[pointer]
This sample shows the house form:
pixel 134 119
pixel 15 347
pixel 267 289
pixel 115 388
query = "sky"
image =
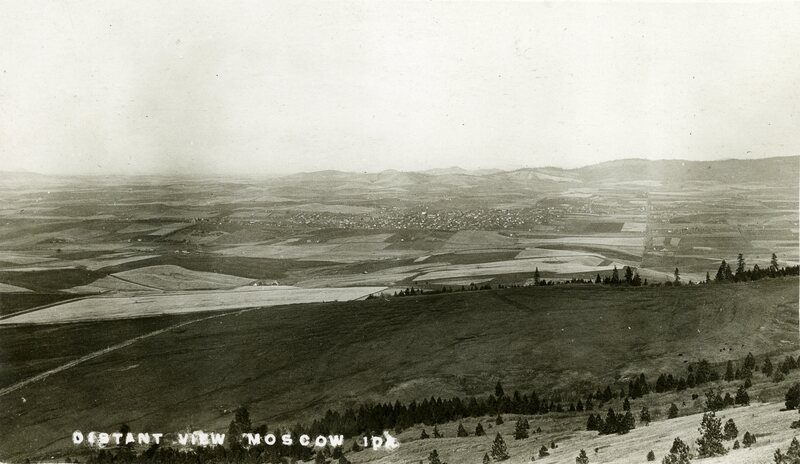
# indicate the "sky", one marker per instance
pixel 185 87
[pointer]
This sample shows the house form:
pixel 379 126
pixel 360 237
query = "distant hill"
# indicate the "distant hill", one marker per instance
pixel 781 171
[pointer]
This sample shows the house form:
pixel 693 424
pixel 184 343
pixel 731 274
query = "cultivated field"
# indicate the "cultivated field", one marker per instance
pixel 148 305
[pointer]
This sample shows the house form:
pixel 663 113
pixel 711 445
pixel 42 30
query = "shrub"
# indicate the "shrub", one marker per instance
pixel 582 458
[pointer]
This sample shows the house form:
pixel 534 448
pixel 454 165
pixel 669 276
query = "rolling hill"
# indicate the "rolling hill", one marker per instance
pixel 289 364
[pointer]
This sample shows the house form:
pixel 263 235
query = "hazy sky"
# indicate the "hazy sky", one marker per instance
pixel 275 87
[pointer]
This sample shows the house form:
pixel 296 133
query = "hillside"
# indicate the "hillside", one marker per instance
pixel 289 364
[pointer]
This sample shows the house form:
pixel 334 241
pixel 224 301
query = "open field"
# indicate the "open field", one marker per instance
pixel 440 345
pixel 167 277
pixel 148 305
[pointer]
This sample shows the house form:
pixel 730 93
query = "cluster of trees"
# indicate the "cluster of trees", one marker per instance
pixel 792 455
pixel 716 402
pixel 374 418
pixel 709 444
pixel 614 423
pixel 742 274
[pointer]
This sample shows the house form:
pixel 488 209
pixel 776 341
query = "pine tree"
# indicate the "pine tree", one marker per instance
pixel 520 431
pixel 598 280
pixel 708 278
pixel 793 453
pixel 672 413
pixel 637 280
pixel 729 372
pixel 748 440
pixel 628 423
pixel 424 435
pixel 615 276
pixel 536 276
pixel 740 264
pixel 628 275
pixel 766 368
pixel 749 362
pixel 773 264
pixel 626 405
pixel 582 458
pixel 678 454
pixel 730 431
pixel 498 391
pixel 543 452
pixel 677 276
pixel 710 442
pixel 436 433
pixel 742 397
pixel 644 416
pixel 433 458
pixel 499 448
pixel 479 430
pixel 720 277
pixel 499 420
pixel 462 432
pixel 792 396
pixel 651 456
pixel 486 459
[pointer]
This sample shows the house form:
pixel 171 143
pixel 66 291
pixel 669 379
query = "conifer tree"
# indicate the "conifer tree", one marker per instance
pixel 672 413
pixel 433 458
pixel 479 430
pixel 644 416
pixel 766 368
pixel 710 442
pixel 424 435
pixel 499 420
pixel 462 432
pixel 628 275
pixel 520 431
pixel 626 405
pixel 582 458
pixel 730 431
pixel 729 372
pixel 498 391
pixel 678 454
pixel 543 451
pixel 486 459
pixel 499 448
pixel 748 440
pixel 742 397
pixel 436 433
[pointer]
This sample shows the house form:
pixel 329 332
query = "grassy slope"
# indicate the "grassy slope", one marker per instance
pixel 767 421
pixel 293 362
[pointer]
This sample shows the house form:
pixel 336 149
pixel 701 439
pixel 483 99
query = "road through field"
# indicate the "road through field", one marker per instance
pixel 98 353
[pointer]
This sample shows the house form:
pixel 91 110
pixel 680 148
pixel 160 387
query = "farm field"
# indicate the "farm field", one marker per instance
pixel 402 349
pixel 252 267
pixel 123 306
